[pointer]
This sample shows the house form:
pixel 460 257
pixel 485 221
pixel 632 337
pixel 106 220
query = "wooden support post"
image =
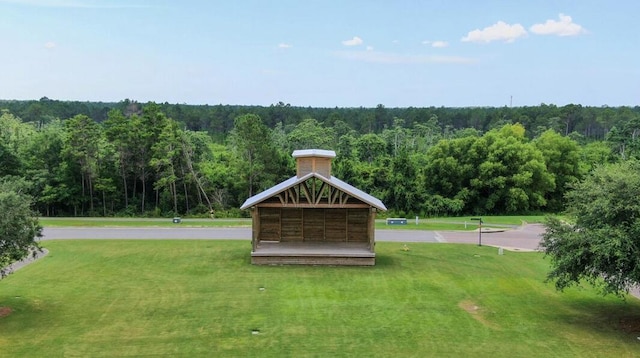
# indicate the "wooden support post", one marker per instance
pixel 371 231
pixel 255 232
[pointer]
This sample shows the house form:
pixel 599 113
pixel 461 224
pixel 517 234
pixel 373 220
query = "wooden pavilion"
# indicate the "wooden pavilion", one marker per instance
pixel 313 218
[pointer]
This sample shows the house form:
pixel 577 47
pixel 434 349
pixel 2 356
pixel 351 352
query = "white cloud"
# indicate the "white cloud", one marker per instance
pixel 369 48
pixel 500 31
pixel 564 27
pixel 355 41
pixel 392 58
pixel 437 44
pixel 284 45
pixel 50 45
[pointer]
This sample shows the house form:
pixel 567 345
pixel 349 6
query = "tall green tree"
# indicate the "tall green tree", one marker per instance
pixel 14 133
pixel 450 166
pixel 256 156
pixel 363 162
pixel 119 131
pixel 9 161
pixel 398 137
pixel 344 164
pixel 427 134
pixel 625 137
pixel 500 172
pixel 145 133
pixel 594 154
pixel 309 134
pixel 15 137
pixel 219 180
pixel 48 169
pixel 513 177
pixel 562 159
pixel 370 147
pixel 601 243
pixel 82 148
pixel 195 149
pixel 165 154
pixel 404 192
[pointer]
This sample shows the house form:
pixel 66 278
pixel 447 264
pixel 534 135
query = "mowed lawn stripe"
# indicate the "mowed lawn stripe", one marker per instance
pixel 107 298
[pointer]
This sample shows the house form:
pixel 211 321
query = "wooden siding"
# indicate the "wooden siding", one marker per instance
pixel 313 225
pixel 306 165
pixel 291 230
pixel 323 167
pixel 336 225
pixel 269 224
pixel 358 225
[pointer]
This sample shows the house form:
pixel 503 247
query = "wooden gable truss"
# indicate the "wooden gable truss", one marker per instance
pixel 313 193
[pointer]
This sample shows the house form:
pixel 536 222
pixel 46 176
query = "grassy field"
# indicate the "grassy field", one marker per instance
pixel 455 223
pixel 204 298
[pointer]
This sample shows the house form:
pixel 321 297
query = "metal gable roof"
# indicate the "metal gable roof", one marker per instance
pixel 274 190
pixel 333 181
pixel 355 192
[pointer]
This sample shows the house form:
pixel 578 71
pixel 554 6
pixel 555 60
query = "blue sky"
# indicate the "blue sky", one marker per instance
pixel 323 53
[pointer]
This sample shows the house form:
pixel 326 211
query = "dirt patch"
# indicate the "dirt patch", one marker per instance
pixel 630 325
pixel 5 311
pixel 477 313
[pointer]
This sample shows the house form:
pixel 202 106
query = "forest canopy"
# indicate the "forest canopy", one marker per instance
pixel 128 158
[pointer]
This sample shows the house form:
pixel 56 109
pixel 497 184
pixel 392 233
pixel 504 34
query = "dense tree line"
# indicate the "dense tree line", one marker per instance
pixel 127 158
pixel 583 122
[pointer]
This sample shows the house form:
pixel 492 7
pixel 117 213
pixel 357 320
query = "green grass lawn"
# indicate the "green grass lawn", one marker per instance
pixel 203 298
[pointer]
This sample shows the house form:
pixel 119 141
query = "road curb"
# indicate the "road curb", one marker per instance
pixel 27 260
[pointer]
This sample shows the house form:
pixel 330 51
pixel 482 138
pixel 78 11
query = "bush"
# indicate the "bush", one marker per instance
pixel 19 226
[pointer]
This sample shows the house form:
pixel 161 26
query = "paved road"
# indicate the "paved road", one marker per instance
pixel 523 238
pixel 205 234
pixel 50 233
